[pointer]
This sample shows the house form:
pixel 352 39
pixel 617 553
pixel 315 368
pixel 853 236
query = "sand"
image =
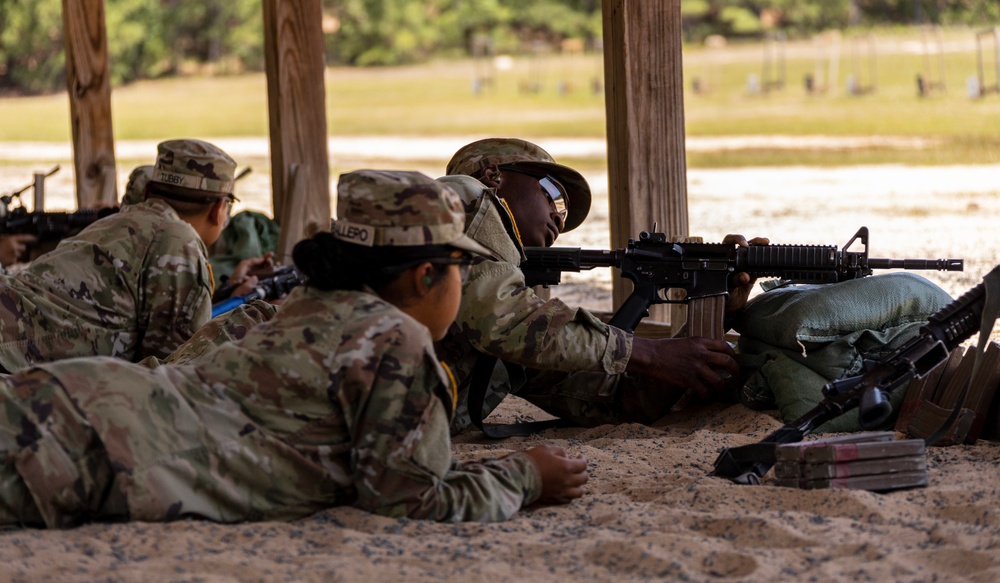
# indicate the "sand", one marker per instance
pixel 651 510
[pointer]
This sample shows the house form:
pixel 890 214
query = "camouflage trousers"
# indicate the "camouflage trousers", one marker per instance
pixel 54 471
pixel 589 399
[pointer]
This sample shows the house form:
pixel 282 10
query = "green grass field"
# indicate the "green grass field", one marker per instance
pixel 437 99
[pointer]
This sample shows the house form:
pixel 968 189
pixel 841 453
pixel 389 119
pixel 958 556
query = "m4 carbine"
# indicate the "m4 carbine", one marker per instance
pixel 702 270
pixel 868 391
pixel 50 226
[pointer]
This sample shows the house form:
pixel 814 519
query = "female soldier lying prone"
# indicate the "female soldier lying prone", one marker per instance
pixel 338 399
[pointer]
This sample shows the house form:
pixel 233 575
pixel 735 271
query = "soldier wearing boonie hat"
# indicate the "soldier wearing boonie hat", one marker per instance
pixel 392 217
pixel 568 362
pixel 339 399
pixel 503 183
pixel 134 284
pixel 522 156
pixel 194 165
pixel 400 209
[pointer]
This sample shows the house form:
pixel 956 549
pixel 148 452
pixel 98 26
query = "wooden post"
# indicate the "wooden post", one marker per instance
pixel 296 100
pixel 644 100
pixel 89 85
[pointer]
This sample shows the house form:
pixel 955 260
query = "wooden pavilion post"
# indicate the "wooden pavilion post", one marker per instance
pixel 296 99
pixel 89 84
pixel 644 100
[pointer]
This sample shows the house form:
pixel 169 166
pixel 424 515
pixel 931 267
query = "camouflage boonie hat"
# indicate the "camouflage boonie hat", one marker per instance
pixel 383 208
pixel 516 154
pixel 196 165
pixel 135 190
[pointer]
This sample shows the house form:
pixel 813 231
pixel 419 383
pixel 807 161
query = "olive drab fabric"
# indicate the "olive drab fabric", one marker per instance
pixel 131 285
pixel 797 338
pixel 249 234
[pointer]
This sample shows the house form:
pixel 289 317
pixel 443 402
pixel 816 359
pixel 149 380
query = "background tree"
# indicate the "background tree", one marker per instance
pixel 31 50
pixel 153 38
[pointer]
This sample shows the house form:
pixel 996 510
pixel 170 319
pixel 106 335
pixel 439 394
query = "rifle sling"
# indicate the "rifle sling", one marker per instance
pixel 991 309
pixel 482 372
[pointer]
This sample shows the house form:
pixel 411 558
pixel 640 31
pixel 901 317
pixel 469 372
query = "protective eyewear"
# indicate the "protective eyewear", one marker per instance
pixel 464 263
pixel 557 194
pixel 554 190
pixel 230 201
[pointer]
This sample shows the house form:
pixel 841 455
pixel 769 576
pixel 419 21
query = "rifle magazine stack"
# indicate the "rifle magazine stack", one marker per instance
pixel 929 401
pixel 862 461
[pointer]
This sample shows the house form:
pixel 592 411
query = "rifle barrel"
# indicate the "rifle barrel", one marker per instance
pixel 938 264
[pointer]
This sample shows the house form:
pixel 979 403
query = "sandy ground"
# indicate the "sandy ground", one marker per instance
pixel 651 511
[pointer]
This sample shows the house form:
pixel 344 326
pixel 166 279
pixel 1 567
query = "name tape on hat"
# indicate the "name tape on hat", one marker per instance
pixel 354 233
pixel 192 182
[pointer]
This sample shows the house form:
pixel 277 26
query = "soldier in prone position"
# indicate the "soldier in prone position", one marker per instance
pixel 338 399
pixel 134 284
pixel 587 372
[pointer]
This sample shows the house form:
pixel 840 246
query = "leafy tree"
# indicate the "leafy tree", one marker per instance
pixel 389 32
pixel 150 38
pixel 209 31
pixel 383 32
pixel 31 50
pixel 137 43
pixel 809 17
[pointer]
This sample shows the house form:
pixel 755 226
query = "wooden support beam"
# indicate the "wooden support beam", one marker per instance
pixel 89 84
pixel 296 100
pixel 644 100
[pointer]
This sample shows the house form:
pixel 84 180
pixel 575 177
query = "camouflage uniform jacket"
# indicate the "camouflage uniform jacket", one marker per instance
pixel 131 285
pixel 337 399
pixel 501 316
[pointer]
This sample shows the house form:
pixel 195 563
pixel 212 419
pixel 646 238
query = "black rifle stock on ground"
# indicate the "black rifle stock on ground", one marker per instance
pixel 655 265
pixel 869 391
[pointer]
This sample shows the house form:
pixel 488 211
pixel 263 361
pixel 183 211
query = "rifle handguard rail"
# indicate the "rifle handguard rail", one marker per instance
pixel 702 270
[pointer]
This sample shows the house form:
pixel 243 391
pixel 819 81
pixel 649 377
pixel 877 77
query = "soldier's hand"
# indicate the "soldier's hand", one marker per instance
pixel 563 477
pixel 13 247
pixel 241 276
pixel 251 266
pixel 741 284
pixel 701 365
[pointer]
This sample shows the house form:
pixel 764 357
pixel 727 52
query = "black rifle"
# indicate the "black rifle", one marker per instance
pixel 655 265
pixel 48 228
pixel 271 286
pixel 869 390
